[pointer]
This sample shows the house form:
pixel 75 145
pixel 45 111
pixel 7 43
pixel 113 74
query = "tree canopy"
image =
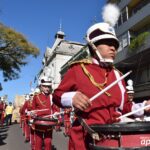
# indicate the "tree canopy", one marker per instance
pixel 14 49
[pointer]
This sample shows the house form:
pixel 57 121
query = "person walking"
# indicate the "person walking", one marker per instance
pixel 9 111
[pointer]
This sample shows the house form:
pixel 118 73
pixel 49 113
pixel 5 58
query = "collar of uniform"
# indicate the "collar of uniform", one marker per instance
pixel 45 94
pixel 95 61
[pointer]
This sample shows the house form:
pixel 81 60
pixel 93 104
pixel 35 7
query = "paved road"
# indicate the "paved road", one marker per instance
pixel 11 138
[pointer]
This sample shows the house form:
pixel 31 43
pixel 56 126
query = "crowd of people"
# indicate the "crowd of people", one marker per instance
pixel 41 113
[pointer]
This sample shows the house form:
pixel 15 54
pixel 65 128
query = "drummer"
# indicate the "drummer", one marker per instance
pixel 2 110
pixel 27 107
pixel 87 77
pixel 130 90
pixel 42 101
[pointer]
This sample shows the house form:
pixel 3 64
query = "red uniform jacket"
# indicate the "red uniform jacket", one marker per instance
pixel 2 107
pixel 102 107
pixel 27 107
pixel 42 101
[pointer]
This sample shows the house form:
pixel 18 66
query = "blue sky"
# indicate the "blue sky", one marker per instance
pixel 39 21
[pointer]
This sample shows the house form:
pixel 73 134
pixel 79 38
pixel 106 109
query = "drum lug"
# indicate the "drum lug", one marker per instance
pixel 119 139
pixel 95 136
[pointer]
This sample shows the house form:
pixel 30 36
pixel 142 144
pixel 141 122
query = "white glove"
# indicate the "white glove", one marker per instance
pixel 55 115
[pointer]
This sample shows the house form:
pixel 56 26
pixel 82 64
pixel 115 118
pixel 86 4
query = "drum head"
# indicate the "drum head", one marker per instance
pixel 45 121
pixel 122 127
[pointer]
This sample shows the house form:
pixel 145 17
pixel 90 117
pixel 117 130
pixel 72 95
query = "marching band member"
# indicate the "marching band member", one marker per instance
pixel 67 121
pixel 87 77
pixel 27 107
pixel 2 110
pixel 23 115
pixel 130 90
pixel 43 101
pixel 55 110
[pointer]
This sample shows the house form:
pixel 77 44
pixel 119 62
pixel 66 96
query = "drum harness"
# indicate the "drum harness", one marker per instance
pixel 97 136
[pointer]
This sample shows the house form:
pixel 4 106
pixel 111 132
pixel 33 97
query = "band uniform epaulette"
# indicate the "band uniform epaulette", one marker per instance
pixel 37 93
pixel 84 61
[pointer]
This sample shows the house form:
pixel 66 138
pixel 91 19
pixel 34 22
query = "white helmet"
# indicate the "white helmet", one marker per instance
pixel 37 90
pixel 104 30
pixel 2 99
pixel 31 93
pixel 130 86
pixel 45 81
pixel 27 97
pixel 101 31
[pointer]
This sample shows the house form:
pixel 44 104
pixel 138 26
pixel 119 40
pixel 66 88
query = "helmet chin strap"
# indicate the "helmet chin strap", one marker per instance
pixel 98 53
pixel 103 59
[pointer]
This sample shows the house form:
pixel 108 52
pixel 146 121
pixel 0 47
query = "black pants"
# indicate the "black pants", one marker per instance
pixel 8 119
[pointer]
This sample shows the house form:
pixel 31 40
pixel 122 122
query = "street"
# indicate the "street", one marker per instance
pixel 11 138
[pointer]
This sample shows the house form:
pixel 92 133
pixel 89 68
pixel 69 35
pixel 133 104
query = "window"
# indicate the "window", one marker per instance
pixel 124 40
pixel 124 15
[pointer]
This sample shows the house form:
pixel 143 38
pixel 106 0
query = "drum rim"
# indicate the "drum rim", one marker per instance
pixel 97 147
pixel 122 127
pixel 44 125
pixel 45 119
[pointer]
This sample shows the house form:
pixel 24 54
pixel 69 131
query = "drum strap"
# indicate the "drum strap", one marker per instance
pixel 92 133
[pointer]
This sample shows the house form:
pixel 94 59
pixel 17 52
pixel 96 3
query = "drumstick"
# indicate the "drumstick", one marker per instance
pixel 56 114
pixel 32 111
pixel 109 86
pixel 102 91
pixel 133 112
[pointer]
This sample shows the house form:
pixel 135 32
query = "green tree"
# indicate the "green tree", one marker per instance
pixel 14 49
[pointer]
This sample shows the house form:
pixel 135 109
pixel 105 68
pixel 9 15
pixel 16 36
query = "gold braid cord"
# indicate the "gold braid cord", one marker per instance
pixel 42 103
pixel 85 61
pixel 98 85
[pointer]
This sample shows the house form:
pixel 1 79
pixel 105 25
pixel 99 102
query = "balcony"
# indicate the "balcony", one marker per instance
pixel 129 59
pixel 140 17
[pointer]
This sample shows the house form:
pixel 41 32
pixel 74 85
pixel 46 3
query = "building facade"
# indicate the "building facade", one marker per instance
pixel 133 32
pixel 55 57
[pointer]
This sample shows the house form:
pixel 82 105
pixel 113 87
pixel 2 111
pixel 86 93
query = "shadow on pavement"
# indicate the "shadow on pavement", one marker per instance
pixel 3 134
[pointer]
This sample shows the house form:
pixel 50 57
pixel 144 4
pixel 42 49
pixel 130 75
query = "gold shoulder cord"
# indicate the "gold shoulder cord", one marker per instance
pixel 98 85
pixel 42 103
pixel 86 61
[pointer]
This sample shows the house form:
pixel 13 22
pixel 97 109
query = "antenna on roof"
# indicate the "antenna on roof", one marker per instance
pixel 60 25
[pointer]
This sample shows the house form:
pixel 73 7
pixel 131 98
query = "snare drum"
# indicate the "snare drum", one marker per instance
pixel 43 124
pixel 122 136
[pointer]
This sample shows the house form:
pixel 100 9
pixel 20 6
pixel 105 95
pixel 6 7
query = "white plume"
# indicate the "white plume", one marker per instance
pixel 111 14
pixel 130 82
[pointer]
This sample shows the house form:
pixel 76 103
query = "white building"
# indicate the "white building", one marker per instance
pixel 55 57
